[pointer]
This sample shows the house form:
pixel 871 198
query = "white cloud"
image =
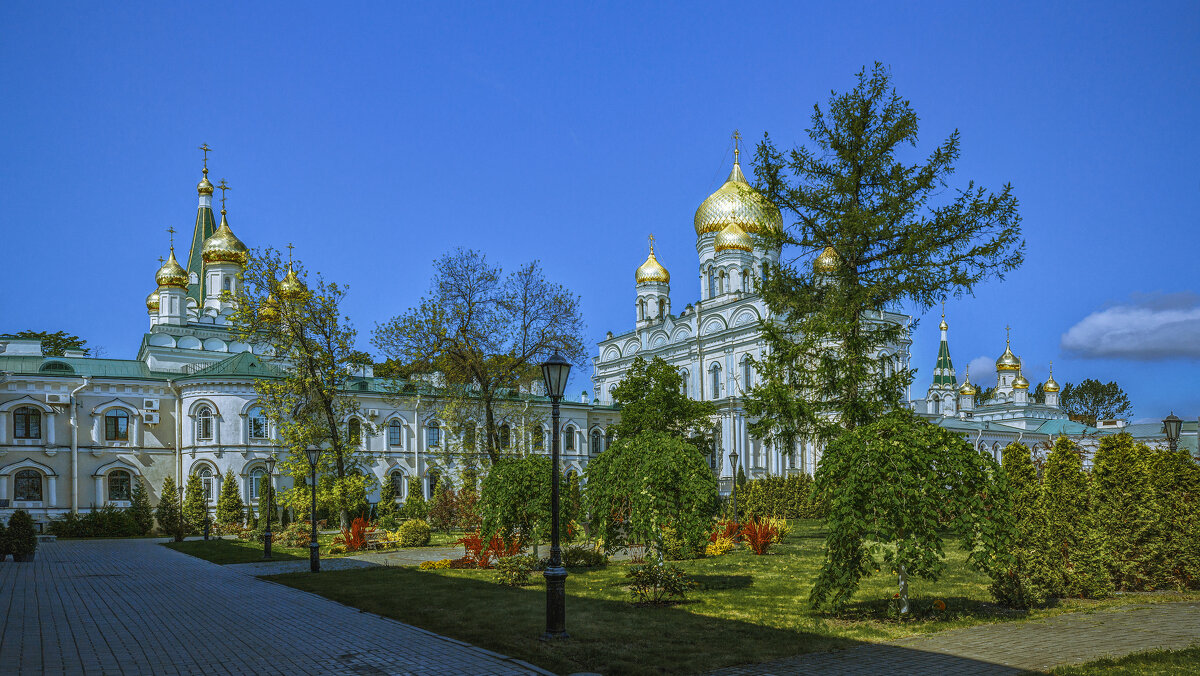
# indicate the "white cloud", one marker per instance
pixel 1148 328
pixel 983 371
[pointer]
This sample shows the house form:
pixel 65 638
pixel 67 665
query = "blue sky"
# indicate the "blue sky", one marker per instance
pixel 378 136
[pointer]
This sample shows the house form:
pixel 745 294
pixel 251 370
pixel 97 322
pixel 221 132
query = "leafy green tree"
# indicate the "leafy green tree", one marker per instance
pixel 889 482
pixel 1123 501
pixel 1072 539
pixel 387 507
pixel 229 502
pixel 515 499
pixel 650 396
pixel 139 507
pixel 985 395
pixel 1017 563
pixel 1039 394
pixel 486 333
pixel 195 504
pixel 643 485
pixel 1092 400
pixel 168 512
pixel 898 237
pixel 572 498
pixel 1175 478
pixel 442 509
pixel 306 392
pixel 57 343
pixel 415 506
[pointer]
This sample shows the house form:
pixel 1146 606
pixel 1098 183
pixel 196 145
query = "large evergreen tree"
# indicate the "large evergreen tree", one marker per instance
pixel 55 344
pixel 168 513
pixel 892 234
pixel 1020 570
pixel 195 504
pixel 139 507
pixel 1072 541
pixel 1175 478
pixel 387 507
pixel 229 502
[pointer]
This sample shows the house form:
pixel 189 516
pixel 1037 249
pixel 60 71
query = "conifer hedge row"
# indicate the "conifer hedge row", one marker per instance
pixel 791 497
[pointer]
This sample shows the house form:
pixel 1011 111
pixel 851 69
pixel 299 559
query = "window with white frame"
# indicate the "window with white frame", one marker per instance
pixel 570 438
pixel 399 483
pixel 596 442
pixel 27 486
pixel 258 424
pixel 433 435
pixel 120 485
pixel 683 382
pixel 747 375
pixel 355 432
pixel 206 483
pixel 395 434
pixel 505 436
pixel 256 479
pixel 714 374
pixel 27 423
pixel 469 437
pixel 204 424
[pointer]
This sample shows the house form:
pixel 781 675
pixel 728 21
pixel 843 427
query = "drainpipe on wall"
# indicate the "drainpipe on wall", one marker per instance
pixel 178 439
pixel 75 446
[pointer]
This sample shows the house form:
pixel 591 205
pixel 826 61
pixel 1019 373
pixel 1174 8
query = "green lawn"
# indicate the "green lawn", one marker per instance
pixel 749 608
pixel 1152 663
pixel 224 551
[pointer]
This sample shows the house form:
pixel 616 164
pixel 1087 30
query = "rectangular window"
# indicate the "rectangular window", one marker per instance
pixel 394 434
pixel 116 428
pixel 258 427
pixel 433 436
pixel 118 486
pixel 27 486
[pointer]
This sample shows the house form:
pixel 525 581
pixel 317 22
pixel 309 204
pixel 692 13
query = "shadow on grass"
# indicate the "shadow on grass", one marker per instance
pixel 607 635
pixel 715 582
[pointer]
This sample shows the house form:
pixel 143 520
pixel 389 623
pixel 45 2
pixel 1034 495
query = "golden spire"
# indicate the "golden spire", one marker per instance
pixel 289 248
pixel 736 150
pixel 943 326
pixel 651 242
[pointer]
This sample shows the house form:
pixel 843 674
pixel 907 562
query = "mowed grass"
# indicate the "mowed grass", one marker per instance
pixel 225 551
pixel 1152 663
pixel 747 609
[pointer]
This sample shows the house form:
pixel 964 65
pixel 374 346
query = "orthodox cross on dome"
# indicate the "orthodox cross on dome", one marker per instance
pixel 160 261
pixel 172 231
pixel 651 242
pixel 736 149
pixel 204 147
pixel 289 248
pixel 1006 336
pixel 223 186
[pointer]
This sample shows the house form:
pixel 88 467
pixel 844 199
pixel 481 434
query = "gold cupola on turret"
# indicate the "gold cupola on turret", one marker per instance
pixel 1008 361
pixel 828 262
pixel 735 202
pixel 967 389
pixel 1050 385
pixel 1020 383
pixel 152 302
pixel 269 310
pixel 733 237
pixel 652 270
pixel 223 246
pixel 291 288
pixel 172 273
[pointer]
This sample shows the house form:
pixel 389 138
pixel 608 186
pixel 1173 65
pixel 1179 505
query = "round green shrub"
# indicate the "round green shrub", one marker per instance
pixel 414 533
pixel 22 538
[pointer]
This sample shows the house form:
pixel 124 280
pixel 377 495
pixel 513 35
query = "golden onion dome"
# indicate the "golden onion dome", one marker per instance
pixel 652 271
pixel 223 246
pixel 1008 361
pixel 968 389
pixel 1050 385
pixel 291 287
pixel 828 262
pixel 733 237
pixel 204 187
pixel 269 310
pixel 152 302
pixel 1019 383
pixel 735 202
pixel 172 273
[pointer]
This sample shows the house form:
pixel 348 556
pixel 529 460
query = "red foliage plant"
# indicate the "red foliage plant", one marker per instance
pixel 726 528
pixel 355 538
pixel 759 535
pixel 482 555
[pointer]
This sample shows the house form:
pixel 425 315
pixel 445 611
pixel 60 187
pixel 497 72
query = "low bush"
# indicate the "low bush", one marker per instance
pixel 22 539
pixel 760 534
pixel 3 541
pixel 414 533
pixel 675 548
pixel 434 565
pixel 354 538
pixel 296 534
pixel 582 556
pixel 657 585
pixel 106 522
pixel 719 546
pixel 726 529
pixel 480 554
pixel 514 571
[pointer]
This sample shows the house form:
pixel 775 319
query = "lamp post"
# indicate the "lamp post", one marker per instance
pixel 314 554
pixel 555 372
pixel 733 458
pixel 1171 425
pixel 270 507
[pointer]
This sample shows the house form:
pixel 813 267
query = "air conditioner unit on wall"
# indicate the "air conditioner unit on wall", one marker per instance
pixel 52 398
pixel 150 404
pixel 373 412
pixel 150 418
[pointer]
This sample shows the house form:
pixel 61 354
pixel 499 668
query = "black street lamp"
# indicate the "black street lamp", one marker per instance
pixel 1172 424
pixel 314 554
pixel 555 371
pixel 270 506
pixel 733 458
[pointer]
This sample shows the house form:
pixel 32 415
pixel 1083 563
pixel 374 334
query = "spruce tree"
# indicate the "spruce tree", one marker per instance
pixel 195 507
pixel 229 503
pixel 139 507
pixel 387 507
pixel 1176 486
pixel 415 506
pixel 1020 570
pixel 890 234
pixel 168 513
pixel 1123 501
pixel 1071 541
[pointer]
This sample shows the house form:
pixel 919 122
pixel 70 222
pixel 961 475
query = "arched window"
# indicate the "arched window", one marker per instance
pixel 116 425
pixel 683 382
pixel 27 486
pixel 746 281
pixel 206 484
pixel 204 424
pixel 505 437
pixel 226 284
pixel 469 437
pixel 662 306
pixel 641 309
pixel 256 477
pixel 747 375
pixel 433 434
pixel 435 477
pixel 570 438
pixel 120 485
pixel 355 432
pixel 935 405
pixel 712 283
pixel 721 288
pixel 395 434
pixel 714 374
pixel 399 484
pixel 596 437
pixel 27 423
pixel 258 424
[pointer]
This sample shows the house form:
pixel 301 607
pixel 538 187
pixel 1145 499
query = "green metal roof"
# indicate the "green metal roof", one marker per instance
pixel 240 365
pixel 943 373
pixel 206 225
pixel 82 366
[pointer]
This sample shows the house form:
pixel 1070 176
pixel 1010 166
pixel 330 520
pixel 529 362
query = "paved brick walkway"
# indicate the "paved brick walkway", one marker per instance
pixel 1008 648
pixel 134 607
